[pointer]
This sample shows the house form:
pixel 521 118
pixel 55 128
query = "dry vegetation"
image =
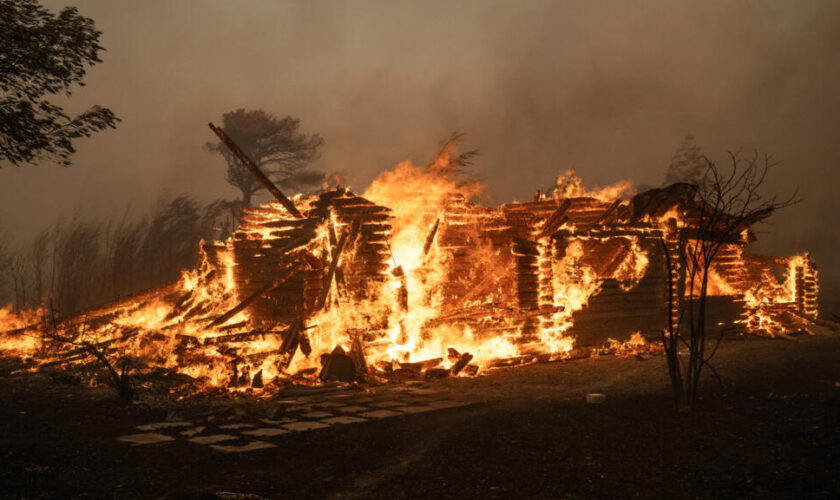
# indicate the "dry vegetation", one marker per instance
pixel 82 262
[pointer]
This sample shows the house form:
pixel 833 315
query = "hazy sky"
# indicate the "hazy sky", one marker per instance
pixel 609 88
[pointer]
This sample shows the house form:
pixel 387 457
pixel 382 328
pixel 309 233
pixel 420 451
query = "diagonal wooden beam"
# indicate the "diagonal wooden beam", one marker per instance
pixel 430 238
pixel 250 165
pixel 254 296
pixel 555 220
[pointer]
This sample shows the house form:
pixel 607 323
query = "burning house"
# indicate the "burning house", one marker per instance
pixel 411 277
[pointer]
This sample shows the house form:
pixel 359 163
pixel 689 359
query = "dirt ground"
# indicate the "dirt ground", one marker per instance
pixel 769 430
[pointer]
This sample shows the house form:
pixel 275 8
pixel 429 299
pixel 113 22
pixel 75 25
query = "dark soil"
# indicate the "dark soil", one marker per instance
pixel 770 430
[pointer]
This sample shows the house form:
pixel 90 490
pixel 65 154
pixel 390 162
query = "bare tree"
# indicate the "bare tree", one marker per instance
pixel 724 204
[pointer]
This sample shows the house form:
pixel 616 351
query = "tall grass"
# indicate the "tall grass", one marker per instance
pixel 81 262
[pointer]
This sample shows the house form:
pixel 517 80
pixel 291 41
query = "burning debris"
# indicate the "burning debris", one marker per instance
pixel 412 280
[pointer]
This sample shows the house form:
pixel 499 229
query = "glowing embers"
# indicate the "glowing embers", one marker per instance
pixel 636 346
pixel 15 341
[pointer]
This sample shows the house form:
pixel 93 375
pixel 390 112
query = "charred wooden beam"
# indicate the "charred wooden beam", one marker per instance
pixel 419 366
pixel 556 219
pixel 339 273
pixel 250 165
pixel 322 299
pixel 430 238
pixel 608 213
pixel 461 363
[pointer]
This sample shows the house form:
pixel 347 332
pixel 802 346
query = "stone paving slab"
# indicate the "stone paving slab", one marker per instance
pixel 316 414
pixel 265 432
pixel 343 420
pixel 235 426
pixel 299 408
pixel 419 399
pixel 283 420
pixel 419 390
pixel 380 414
pixel 236 433
pixel 253 445
pixel 211 439
pixel 354 409
pixel 415 409
pixel 328 404
pixel 145 438
pixel 304 426
pixel 448 404
pixel 163 425
pixel 387 404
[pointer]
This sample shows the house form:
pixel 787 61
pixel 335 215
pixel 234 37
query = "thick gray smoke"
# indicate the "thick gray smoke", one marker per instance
pixel 608 88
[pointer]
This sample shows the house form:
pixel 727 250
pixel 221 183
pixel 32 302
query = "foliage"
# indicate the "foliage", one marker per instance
pixel 275 145
pixel 41 55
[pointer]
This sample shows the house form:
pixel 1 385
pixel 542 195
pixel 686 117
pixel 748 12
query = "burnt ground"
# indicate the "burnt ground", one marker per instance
pixel 770 430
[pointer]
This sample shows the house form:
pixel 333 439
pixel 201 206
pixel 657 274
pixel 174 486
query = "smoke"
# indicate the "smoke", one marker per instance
pixel 609 88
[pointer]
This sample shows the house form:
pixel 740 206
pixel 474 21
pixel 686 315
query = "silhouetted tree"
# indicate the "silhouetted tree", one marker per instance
pixel 688 163
pixel 275 145
pixel 723 203
pixel 43 54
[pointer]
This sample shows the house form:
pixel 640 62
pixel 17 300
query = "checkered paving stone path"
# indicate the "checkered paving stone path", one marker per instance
pixel 297 414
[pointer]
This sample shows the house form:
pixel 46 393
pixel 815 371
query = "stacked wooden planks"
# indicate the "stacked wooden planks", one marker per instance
pixel 367 257
pixel 269 240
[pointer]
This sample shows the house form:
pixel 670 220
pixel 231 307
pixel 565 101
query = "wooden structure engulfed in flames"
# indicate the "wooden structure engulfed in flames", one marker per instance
pixel 538 254
pixel 389 284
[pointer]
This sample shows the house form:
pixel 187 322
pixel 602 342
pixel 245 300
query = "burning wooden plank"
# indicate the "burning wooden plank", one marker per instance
pixel 460 360
pixel 430 238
